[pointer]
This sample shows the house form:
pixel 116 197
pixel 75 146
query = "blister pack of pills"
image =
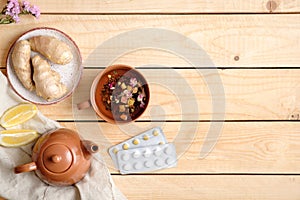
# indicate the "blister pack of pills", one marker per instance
pixel 151 137
pixel 145 159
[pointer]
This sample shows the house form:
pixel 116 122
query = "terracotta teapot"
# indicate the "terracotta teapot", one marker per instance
pixel 60 158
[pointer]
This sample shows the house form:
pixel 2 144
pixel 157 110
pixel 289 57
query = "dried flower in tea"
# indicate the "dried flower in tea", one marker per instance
pixel 123 95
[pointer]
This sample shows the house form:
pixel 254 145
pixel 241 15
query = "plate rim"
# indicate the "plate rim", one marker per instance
pixel 80 66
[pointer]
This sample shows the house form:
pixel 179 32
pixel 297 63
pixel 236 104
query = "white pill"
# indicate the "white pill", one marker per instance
pixel 137 165
pixel 147 153
pixel 170 161
pixel 158 162
pixel 168 150
pixel 157 151
pixel 136 154
pixel 148 164
pixel 125 157
pixel 126 167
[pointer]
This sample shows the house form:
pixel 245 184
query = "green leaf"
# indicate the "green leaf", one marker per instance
pixel 5 21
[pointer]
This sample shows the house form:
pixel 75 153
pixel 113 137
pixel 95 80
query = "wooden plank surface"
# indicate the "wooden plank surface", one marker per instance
pixel 242 147
pixel 209 187
pixel 251 94
pixel 175 6
pixel 257 153
pixel 229 40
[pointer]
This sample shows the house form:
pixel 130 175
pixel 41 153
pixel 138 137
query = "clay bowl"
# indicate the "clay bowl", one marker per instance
pixel 124 72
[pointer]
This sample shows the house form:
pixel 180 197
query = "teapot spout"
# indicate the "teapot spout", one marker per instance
pixel 89 148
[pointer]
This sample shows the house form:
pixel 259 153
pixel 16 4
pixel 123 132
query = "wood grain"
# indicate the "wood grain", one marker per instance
pixel 242 147
pixel 257 40
pixel 189 94
pixel 266 152
pixel 175 6
pixel 209 187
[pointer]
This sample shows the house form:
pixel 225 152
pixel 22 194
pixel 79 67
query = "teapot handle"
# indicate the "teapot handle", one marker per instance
pixel 25 168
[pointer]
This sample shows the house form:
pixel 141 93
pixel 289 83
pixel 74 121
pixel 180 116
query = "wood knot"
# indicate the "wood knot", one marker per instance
pixel 294 116
pixel 273 147
pixel 236 58
pixel 271 6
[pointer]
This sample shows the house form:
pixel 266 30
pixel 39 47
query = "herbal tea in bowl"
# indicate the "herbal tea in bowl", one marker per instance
pixel 120 94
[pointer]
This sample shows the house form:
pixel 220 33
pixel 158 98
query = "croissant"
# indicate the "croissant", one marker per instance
pixel 52 48
pixel 47 81
pixel 21 63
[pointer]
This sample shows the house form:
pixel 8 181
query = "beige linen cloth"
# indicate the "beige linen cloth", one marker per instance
pixel 97 184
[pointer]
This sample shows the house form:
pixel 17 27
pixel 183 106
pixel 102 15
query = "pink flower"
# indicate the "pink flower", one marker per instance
pixel 26 6
pixel 35 11
pixel 12 10
pixel 127 93
pixel 140 97
pixel 16 18
pixel 111 86
pixel 124 99
pixel 142 105
pixel 133 82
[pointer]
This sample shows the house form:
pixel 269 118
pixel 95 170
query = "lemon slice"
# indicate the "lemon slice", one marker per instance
pixel 17 137
pixel 18 114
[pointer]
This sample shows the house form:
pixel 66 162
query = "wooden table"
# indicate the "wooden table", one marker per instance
pixel 254 46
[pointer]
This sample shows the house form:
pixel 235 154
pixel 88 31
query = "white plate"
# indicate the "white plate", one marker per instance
pixel 70 73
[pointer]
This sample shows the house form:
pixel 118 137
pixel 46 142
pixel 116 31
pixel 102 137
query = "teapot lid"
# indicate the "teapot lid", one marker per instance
pixel 57 158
